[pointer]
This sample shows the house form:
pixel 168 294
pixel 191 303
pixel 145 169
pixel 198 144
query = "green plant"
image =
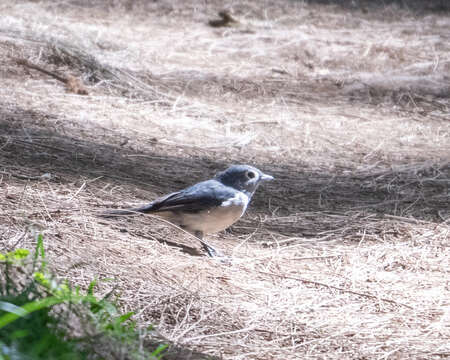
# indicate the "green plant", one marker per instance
pixel 42 318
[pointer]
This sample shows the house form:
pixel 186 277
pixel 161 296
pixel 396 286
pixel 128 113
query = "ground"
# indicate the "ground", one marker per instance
pixel 344 256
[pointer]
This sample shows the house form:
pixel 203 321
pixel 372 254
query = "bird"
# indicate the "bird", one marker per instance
pixel 207 207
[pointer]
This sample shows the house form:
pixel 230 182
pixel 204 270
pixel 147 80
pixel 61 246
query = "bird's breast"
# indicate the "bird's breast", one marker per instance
pixel 213 220
pixel 219 218
pixel 239 199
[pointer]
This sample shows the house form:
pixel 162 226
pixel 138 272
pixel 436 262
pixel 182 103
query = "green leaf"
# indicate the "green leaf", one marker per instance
pixel 14 256
pixel 40 252
pixel 11 308
pixel 38 305
pixel 28 308
pixel 125 317
pixel 41 279
pixel 91 287
pixel 40 247
pixel 18 334
pixel 159 350
pixel 20 254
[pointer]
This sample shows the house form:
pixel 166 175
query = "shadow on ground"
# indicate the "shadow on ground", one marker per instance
pixel 30 147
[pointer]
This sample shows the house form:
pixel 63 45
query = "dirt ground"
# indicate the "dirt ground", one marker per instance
pixel 345 256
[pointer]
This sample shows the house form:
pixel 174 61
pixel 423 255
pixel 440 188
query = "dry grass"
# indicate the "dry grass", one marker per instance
pixel 346 255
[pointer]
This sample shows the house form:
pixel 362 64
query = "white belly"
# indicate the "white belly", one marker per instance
pixel 211 221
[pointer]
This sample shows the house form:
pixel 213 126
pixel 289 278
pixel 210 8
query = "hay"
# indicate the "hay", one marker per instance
pixel 344 256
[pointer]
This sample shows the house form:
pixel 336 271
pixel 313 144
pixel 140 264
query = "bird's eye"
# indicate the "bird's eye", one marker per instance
pixel 251 174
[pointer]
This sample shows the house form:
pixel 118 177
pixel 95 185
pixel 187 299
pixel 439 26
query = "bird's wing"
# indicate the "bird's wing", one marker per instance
pixel 201 196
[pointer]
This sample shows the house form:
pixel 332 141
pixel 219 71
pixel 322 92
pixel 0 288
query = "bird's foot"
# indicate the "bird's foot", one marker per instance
pixel 211 251
pixel 216 254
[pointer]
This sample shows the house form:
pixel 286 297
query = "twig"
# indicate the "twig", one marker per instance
pixel 225 20
pixel 78 191
pixel 72 83
pixel 45 207
pixel 405 219
pixel 315 257
pixel 184 248
pixel 22 177
pixel 306 281
pixel 248 329
pixel 296 242
pixel 42 145
pixel 30 65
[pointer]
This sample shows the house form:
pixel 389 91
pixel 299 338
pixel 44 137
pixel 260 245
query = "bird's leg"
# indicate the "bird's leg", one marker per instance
pixel 208 248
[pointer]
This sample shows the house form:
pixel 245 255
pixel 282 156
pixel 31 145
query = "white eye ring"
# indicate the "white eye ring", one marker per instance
pixel 251 174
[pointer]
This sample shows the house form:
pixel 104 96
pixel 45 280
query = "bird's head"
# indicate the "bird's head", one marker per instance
pixel 244 178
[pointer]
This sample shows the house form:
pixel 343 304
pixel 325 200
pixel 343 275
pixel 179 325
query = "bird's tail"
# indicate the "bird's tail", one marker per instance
pixel 127 212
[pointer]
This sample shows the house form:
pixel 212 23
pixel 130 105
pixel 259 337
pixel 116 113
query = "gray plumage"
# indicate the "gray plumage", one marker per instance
pixel 209 206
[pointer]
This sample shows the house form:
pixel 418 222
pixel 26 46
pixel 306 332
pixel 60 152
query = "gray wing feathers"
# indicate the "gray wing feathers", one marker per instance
pixel 198 197
pixel 151 207
pixel 201 196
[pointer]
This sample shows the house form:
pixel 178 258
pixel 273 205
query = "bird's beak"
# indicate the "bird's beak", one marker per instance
pixel 265 177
